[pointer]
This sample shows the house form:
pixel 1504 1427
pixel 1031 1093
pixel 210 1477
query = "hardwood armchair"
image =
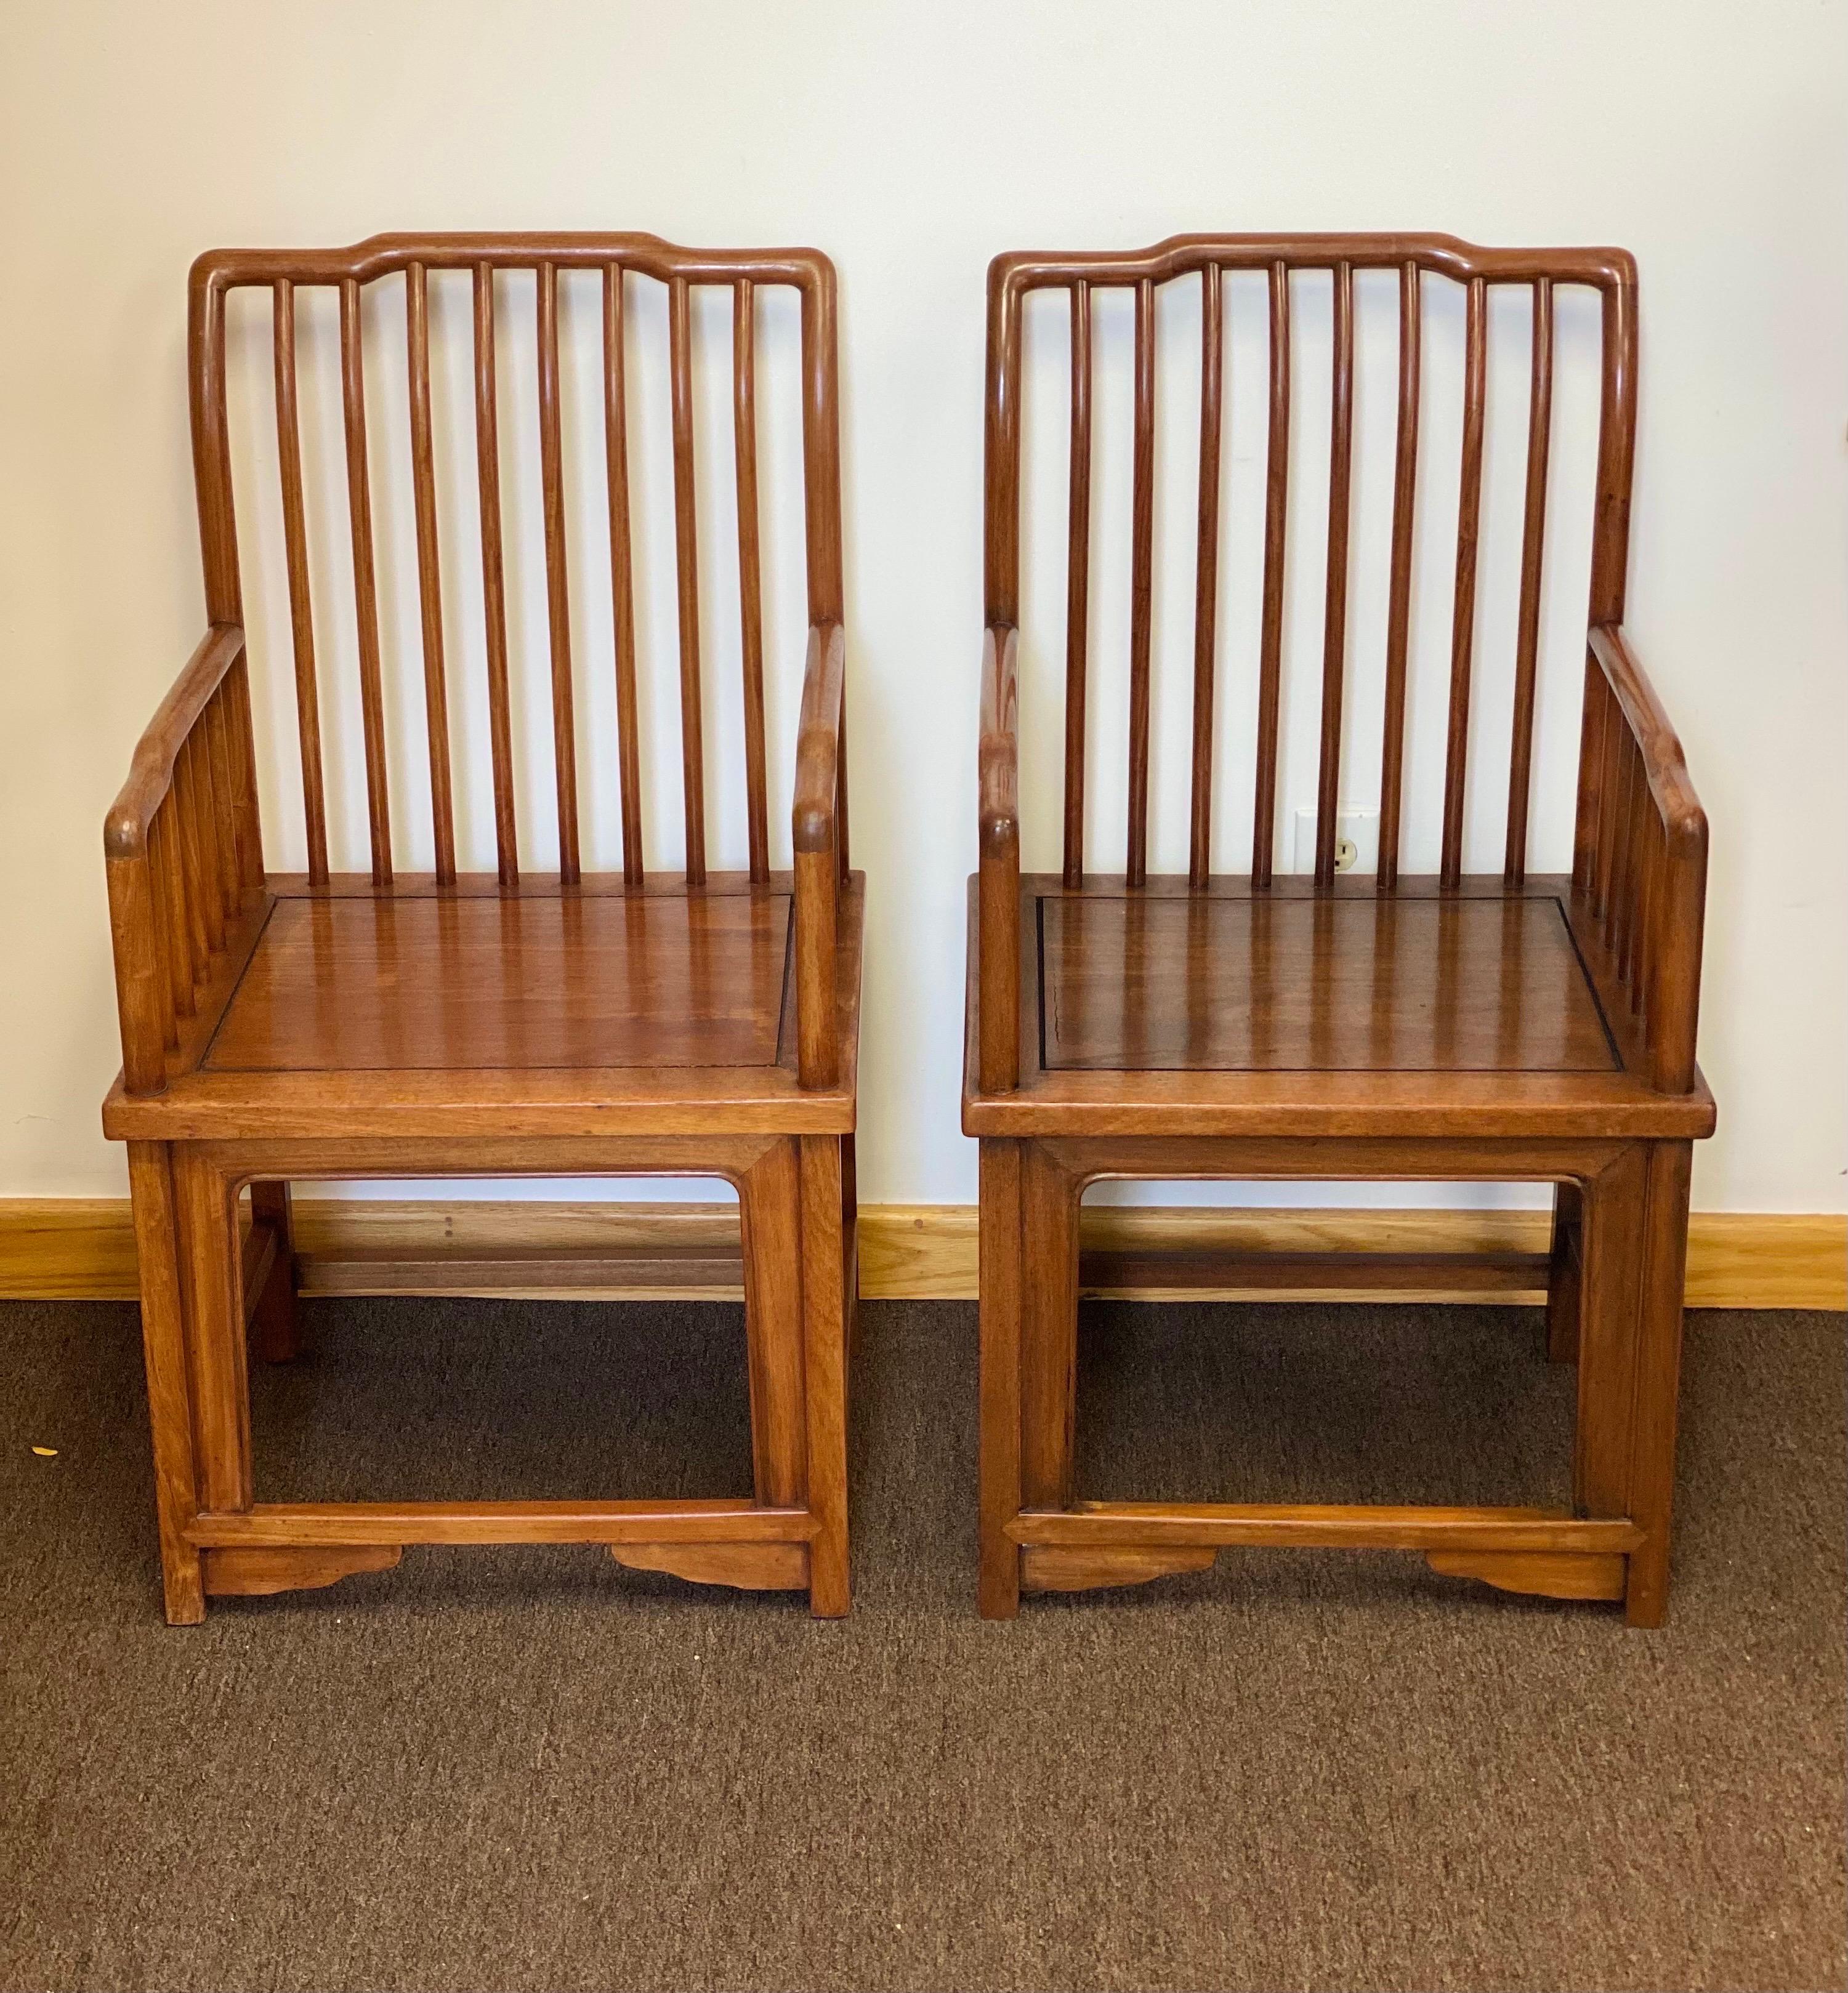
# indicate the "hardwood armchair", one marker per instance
pixel 1511 1026
pixel 280 1027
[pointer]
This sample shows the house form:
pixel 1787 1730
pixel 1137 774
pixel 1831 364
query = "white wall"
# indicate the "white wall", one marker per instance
pixel 911 143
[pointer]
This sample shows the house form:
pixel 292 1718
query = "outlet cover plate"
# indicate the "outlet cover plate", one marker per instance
pixel 1358 827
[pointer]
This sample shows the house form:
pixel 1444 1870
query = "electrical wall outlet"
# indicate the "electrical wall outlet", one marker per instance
pixel 1357 841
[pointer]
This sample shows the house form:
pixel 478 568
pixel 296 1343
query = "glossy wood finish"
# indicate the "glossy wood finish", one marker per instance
pixel 1509 1026
pixel 316 1525
pixel 1258 1526
pixel 448 983
pixel 1130 984
pixel 541 1020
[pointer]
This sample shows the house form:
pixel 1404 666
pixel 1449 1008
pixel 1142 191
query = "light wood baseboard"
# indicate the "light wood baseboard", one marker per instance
pixel 83 1249
pixel 1735 1258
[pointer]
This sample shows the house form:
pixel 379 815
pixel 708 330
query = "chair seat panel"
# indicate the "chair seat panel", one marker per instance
pixel 1486 993
pixel 555 1103
pixel 521 983
pixel 1129 984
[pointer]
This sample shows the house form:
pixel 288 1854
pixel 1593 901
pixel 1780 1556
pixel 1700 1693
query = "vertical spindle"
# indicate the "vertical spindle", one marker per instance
pixel 1334 629
pixel 429 581
pixel 365 587
pixel 1270 657
pixel 301 601
pixel 167 992
pixel 751 607
pixel 1206 575
pixel 1463 625
pixel 1077 583
pixel 1527 640
pixel 1398 603
pixel 170 866
pixel 1609 808
pixel 1142 584
pixel 192 869
pixel 494 587
pixel 558 594
pixel 622 593
pixel 692 761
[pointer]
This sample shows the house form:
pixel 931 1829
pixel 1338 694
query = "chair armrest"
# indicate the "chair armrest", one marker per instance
pixel 1663 764
pixel 183 849
pixel 151 772
pixel 819 831
pixel 997 930
pixel 1639 861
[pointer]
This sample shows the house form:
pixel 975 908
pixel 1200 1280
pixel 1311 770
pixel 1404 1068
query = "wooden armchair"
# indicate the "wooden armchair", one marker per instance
pixel 1510 1027
pixel 382 1024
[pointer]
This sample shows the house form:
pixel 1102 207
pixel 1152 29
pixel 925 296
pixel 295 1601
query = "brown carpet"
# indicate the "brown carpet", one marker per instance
pixel 530 1769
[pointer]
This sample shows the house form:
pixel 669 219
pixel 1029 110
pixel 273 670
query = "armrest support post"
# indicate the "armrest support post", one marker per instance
pixel 997 932
pixel 820 835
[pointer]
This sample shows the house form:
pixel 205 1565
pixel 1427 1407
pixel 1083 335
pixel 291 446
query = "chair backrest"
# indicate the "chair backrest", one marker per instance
pixel 615 259
pixel 1210 259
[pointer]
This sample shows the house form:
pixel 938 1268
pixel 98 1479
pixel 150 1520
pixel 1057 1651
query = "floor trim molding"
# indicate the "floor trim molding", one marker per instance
pixel 83 1249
